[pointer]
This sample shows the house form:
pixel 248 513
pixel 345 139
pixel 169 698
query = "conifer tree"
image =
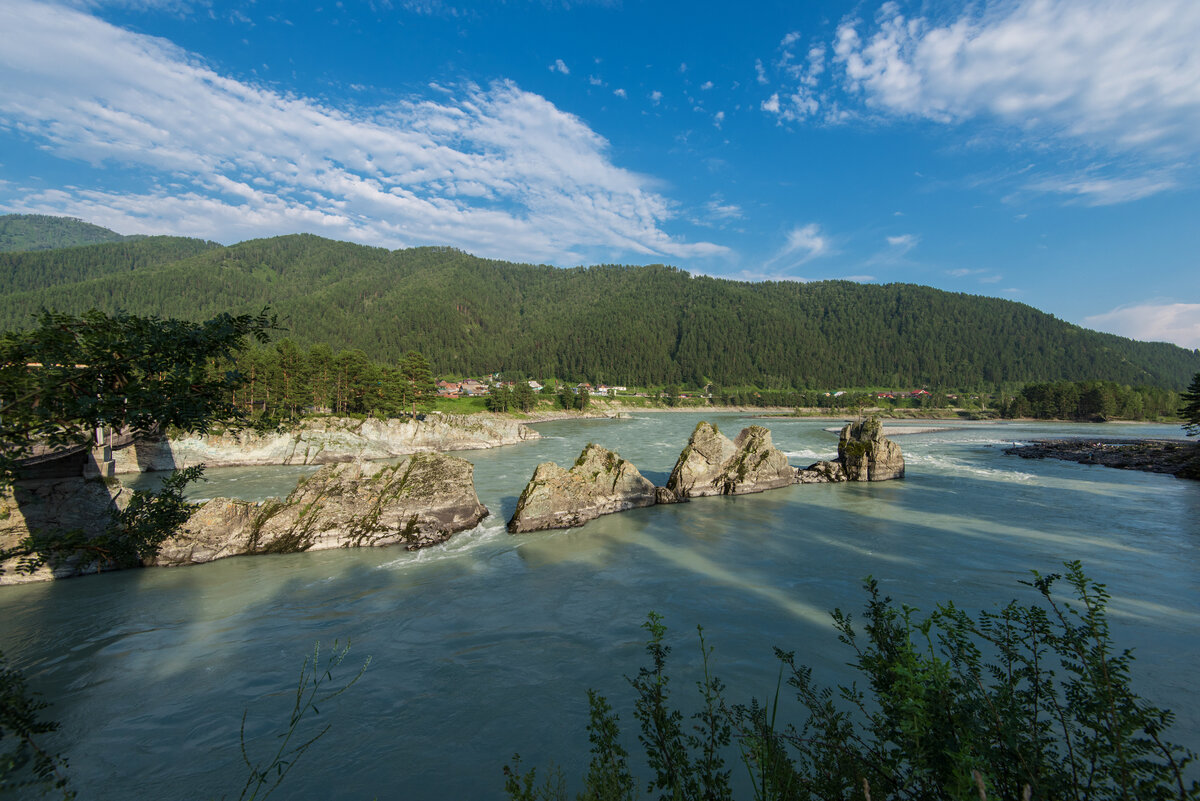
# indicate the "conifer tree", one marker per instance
pixel 1190 411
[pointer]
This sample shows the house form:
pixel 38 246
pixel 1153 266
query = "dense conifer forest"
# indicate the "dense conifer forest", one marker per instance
pixel 650 326
pixel 19 232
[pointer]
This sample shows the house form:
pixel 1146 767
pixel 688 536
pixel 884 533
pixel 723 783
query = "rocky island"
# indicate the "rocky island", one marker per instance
pixel 421 500
pixel 601 482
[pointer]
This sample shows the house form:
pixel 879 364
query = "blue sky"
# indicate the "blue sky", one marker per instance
pixel 1040 150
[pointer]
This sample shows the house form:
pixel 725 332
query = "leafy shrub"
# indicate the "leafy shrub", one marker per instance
pixel 1031 701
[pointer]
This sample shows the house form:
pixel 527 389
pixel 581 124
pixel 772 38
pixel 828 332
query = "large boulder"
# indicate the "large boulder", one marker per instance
pixel 599 483
pixel 864 454
pixel 712 464
pixel 867 455
pixel 421 500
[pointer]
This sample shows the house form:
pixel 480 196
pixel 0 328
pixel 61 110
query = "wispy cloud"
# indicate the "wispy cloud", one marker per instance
pixel 804 243
pixel 1153 322
pixel 1121 79
pixel 560 66
pixel 493 169
pixel 903 243
pixel 1119 75
pixel 1096 190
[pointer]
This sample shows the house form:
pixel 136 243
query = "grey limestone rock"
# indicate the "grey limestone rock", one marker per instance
pixel 712 464
pixel 419 501
pixel 867 455
pixel 599 483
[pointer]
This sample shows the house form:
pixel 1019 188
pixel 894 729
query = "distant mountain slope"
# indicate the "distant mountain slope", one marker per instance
pixel 639 325
pixel 40 270
pixel 24 232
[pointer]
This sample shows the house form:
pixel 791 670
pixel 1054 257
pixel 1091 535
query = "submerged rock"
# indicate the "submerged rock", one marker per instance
pixel 712 464
pixel 419 501
pixel 599 483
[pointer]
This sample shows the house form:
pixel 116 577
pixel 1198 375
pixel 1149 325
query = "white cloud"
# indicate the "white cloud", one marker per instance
pixel 804 243
pixel 1115 74
pixel 620 93
pixel 718 209
pixel 704 87
pixel 771 104
pixel 560 66
pixel 595 80
pixel 1094 190
pixel 718 118
pixel 760 74
pixel 1153 322
pixel 495 169
pixel 656 97
pixel 903 243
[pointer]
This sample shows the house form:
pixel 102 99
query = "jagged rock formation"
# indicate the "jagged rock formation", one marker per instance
pixel 599 483
pixel 711 464
pixel 417 502
pixel 864 454
pixel 325 441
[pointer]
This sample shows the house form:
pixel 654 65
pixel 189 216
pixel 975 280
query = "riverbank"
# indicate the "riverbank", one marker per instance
pixel 325 440
pixel 1179 458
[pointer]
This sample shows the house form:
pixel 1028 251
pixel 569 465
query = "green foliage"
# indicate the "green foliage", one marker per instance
pixel 69 375
pixel 24 764
pixel 1031 701
pixel 646 326
pixel 1190 411
pixel 265 776
pixel 1090 400
pixel 21 232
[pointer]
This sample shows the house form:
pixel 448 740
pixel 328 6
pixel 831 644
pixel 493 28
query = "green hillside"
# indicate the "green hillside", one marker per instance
pixel 24 232
pixel 634 325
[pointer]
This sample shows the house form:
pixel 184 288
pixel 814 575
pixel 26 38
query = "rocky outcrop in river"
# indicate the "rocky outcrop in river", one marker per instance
pixel 864 454
pixel 419 501
pixel 325 441
pixel 712 464
pixel 1177 458
pixel 599 483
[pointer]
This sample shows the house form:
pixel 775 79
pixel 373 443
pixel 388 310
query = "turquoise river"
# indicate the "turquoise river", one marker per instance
pixel 486 645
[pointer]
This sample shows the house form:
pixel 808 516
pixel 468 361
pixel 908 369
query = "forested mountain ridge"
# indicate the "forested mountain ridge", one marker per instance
pixel 650 325
pixel 24 232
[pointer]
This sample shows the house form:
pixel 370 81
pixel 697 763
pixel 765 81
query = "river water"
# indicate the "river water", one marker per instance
pixel 486 645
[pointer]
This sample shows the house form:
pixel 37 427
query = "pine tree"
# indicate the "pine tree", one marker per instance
pixel 1190 411
pixel 419 378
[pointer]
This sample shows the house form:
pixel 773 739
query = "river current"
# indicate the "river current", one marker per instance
pixel 486 645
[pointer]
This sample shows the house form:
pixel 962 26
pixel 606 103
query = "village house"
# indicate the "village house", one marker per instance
pixel 448 389
pixel 471 388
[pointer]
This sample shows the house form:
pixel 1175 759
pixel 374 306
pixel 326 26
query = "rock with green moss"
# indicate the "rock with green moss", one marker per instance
pixel 864 454
pixel 419 501
pixel 712 464
pixel 599 483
